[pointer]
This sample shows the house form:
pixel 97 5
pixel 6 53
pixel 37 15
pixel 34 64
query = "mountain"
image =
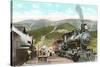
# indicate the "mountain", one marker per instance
pixel 77 23
pixel 36 24
pixel 45 30
pixel 39 28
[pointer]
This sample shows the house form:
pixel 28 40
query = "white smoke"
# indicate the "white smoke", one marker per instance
pixel 80 13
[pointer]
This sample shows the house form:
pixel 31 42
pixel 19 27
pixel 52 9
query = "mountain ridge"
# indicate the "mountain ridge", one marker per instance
pixel 36 24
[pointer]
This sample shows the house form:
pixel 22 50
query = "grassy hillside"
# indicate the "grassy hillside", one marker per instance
pixel 93 42
pixel 52 36
pixel 66 26
pixel 40 32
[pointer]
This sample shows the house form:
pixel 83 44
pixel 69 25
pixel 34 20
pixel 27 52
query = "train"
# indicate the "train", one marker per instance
pixel 74 45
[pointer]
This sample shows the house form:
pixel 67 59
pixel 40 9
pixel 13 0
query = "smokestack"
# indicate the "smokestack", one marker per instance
pixel 79 11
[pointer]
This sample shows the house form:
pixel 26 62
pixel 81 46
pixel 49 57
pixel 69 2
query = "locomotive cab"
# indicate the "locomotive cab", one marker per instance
pixel 84 27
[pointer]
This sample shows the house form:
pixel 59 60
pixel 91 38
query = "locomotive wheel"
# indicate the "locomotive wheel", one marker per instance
pixel 75 57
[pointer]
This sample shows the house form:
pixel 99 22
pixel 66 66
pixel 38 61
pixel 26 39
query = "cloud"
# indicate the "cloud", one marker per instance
pixel 52 11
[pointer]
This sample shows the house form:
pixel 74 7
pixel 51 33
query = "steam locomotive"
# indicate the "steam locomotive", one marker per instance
pixel 75 44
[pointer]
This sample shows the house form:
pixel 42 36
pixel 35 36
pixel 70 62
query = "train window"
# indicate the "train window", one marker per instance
pixel 29 42
pixel 24 46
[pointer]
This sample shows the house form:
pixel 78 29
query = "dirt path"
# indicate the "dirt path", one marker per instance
pixel 59 60
pixel 50 60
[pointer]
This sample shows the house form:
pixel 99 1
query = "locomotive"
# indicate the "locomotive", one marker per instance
pixel 75 44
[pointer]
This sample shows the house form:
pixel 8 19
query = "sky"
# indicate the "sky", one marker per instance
pixel 23 10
